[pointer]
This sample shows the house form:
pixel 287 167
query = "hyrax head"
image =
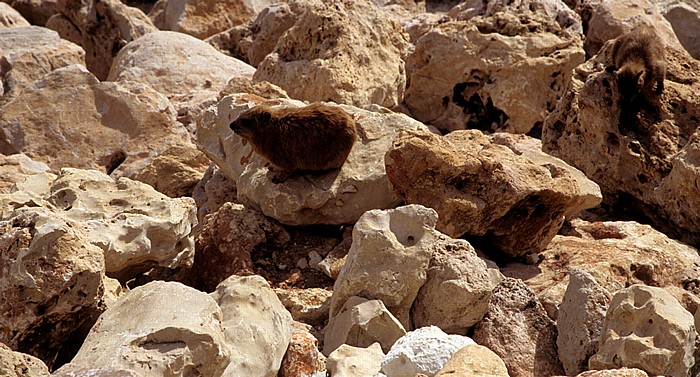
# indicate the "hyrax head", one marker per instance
pixel 630 80
pixel 250 121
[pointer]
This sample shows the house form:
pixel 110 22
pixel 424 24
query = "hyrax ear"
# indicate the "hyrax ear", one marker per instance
pixel 265 116
pixel 640 79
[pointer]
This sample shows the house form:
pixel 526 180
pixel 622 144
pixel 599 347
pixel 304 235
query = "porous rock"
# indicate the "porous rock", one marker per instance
pixel 485 189
pixel 361 323
pixel 158 329
pixel 10 18
pixel 14 168
pixel 646 328
pixel 302 357
pixel 580 321
pixel 102 27
pixel 500 66
pixel 349 361
pixel 185 69
pixel 257 326
pixel 136 227
pixel 518 330
pixel 424 350
pixel 309 305
pixel 474 361
pixel 336 197
pixel 53 283
pixel 342 51
pixel 28 53
pixel 619 372
pixel 77 121
pixel 388 259
pixel 37 12
pixel 17 364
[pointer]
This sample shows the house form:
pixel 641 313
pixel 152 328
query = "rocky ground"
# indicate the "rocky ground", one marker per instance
pixel 500 215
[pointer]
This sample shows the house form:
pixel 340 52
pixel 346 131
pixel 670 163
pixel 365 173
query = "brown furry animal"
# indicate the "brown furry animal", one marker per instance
pixel 639 63
pixel 311 138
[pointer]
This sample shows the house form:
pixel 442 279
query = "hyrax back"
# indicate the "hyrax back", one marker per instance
pixel 639 63
pixel 314 137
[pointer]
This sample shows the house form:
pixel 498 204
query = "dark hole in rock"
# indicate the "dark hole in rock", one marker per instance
pixel 113 161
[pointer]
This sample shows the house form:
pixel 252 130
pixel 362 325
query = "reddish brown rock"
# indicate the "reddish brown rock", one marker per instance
pixel 302 357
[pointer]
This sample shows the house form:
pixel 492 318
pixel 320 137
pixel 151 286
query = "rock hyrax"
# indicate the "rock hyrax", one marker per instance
pixel 639 63
pixel 311 138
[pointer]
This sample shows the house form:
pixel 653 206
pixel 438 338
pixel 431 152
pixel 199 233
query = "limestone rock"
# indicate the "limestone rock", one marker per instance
pixel 212 191
pixel 226 240
pixel 646 328
pixel 203 18
pixel 474 361
pixel 361 323
pixel 620 372
pixel 17 364
pixel 185 69
pixel 336 197
pixel 102 27
pixel 264 89
pixel 580 321
pixel 484 189
pixel 644 160
pixel 456 293
pixel 388 259
pixel 424 350
pixel 10 18
pixel 158 329
pixel 616 254
pixel 136 227
pixel 502 67
pixel 257 326
pixel 77 121
pixel 302 357
pixel 518 330
pixel 683 19
pixel 342 51
pixel 349 361
pixel 308 305
pixel 28 53
pixel 52 283
pixel 37 12
pixel 176 171
pixel 14 168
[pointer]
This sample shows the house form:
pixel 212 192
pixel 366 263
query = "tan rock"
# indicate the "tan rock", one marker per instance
pixel 9 17
pixel 498 68
pixel 474 361
pixel 186 70
pixel 212 191
pixel 53 283
pixel 136 227
pixel 484 189
pixel 349 361
pixel 336 197
pixel 203 18
pixel 683 19
pixel 17 364
pixel 342 51
pixel 518 330
pixel 158 329
pixel 258 328
pixel 309 305
pixel 37 12
pixel 14 168
pixel 262 89
pixel 333 263
pixel 302 357
pixel 102 27
pixel 620 372
pixel 226 240
pixel 361 323
pixel 28 53
pixel 176 171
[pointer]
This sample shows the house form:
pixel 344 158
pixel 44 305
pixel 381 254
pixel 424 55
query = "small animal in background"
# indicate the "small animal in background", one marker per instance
pixel 639 64
pixel 316 137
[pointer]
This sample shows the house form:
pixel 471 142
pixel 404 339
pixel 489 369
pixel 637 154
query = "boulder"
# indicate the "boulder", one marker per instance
pixel 158 329
pixel 102 27
pixel 37 12
pixel 361 323
pixel 481 188
pixel 518 330
pixel 15 167
pixel 17 364
pixel 10 18
pixel 176 171
pixel 185 69
pixel 335 197
pixel 646 328
pixel 29 53
pixel 683 19
pixel 424 350
pixel 620 372
pixel 212 191
pixel 309 305
pixel 494 66
pixel 342 51
pixel 134 226
pixel 580 321
pixel 349 361
pixel 257 326
pixel 203 18
pixel 474 361
pixel 302 357
pixel 53 284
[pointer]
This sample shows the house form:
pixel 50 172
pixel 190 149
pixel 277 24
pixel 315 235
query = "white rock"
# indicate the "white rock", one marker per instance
pixel 10 18
pixel 15 168
pixel 349 361
pixel 17 364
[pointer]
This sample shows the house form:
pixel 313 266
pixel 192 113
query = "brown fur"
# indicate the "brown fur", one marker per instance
pixel 314 137
pixel 639 63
